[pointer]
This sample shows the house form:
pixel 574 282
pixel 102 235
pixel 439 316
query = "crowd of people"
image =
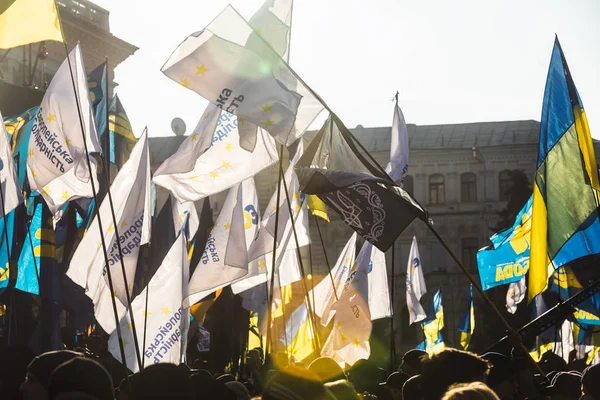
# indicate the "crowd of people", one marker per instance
pixel 448 375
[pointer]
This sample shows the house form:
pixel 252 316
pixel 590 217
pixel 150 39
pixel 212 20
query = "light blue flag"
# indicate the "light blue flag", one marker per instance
pixel 508 259
pixel 6 251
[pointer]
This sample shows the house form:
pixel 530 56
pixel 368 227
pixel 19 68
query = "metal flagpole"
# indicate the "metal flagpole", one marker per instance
pixel 107 131
pixel 392 337
pixel 274 256
pixel 94 193
pixel 299 255
pixel 326 258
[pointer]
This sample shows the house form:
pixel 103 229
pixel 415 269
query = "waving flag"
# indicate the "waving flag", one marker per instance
pixel 19 129
pixel 379 294
pixel 565 193
pixel 121 138
pixel 6 248
pixel 398 164
pixel 433 325
pixel 415 285
pixel 299 334
pixel 11 192
pixel 133 209
pixel 166 320
pixel 225 258
pixel 56 163
pixel 28 21
pixel 466 324
pixel 228 64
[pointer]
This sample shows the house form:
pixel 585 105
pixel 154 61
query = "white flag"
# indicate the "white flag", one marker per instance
pixel 324 293
pixel 515 294
pixel 352 326
pixel 264 240
pixel 132 202
pixel 185 212
pixel 229 64
pixel 56 145
pixel 415 285
pixel 222 166
pixel 225 258
pixel 273 22
pixel 379 295
pixel 166 320
pixel 11 191
pixel 399 148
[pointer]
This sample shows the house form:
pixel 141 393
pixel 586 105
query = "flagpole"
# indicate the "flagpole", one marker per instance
pixel 326 258
pixel 299 255
pixel 392 337
pixel 107 129
pixel 516 339
pixel 274 257
pixel 94 193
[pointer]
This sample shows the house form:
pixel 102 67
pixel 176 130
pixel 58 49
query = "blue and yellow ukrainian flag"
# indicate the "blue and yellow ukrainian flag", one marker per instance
pixel 466 325
pixel 99 97
pixel 299 334
pixel 122 138
pixel 38 251
pixel 433 325
pixel 566 181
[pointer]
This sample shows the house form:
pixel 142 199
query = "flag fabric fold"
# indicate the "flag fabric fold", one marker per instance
pixel 565 192
pixel 57 162
pixel 166 319
pixel 379 294
pixel 398 164
pixel 133 209
pixel 11 191
pixel 433 325
pixel 466 324
pixel 415 285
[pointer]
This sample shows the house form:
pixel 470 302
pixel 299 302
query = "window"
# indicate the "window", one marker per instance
pixel 470 246
pixel 468 187
pixel 437 190
pixel 505 184
pixel 409 184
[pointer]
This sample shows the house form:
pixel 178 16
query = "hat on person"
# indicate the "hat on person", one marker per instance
pixel 82 375
pixel 42 366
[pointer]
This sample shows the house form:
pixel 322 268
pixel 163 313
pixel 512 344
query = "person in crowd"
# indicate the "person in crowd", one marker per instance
pixel 470 391
pixel 81 375
pixel 394 384
pixel 238 388
pixel 161 381
pixel 412 388
pixel 450 367
pixel 412 362
pixel 565 386
pixel 327 369
pixel 13 368
pixel 35 386
pixel 501 378
pixel 342 390
pixel 295 383
pixel 590 383
pixel 364 376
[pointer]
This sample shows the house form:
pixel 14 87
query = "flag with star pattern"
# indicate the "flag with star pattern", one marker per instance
pixel 57 161
pixel 11 191
pixel 132 201
pixel 232 66
pixel 165 320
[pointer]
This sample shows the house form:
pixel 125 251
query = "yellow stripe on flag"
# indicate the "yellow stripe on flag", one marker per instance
pixel 28 21
pixel 317 207
pixel 538 259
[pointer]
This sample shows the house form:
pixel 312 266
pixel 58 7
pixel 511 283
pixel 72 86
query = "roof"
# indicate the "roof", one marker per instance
pixel 453 136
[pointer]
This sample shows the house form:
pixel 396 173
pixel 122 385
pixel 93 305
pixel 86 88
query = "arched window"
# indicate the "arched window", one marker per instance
pixel 468 187
pixel 505 184
pixel 437 189
pixel 409 184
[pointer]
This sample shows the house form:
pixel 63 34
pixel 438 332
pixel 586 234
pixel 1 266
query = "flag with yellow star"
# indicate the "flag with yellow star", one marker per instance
pixel 220 167
pixel 328 291
pixel 57 158
pixel 165 320
pixel 225 258
pixel 352 326
pixel 11 191
pixel 230 65
pixel 132 200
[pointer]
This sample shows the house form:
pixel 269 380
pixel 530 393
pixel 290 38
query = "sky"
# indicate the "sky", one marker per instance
pixel 451 61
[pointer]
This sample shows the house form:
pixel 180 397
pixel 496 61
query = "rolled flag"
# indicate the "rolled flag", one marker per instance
pixel 11 192
pixel 56 145
pixel 132 201
pixel 398 164
pixel 415 285
pixel 165 320
pixel 230 65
